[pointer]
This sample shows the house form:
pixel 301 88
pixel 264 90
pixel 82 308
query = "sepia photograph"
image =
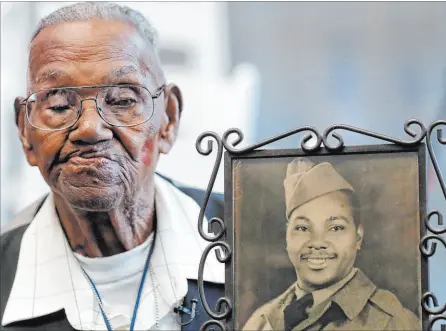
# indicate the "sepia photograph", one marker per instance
pixel 327 241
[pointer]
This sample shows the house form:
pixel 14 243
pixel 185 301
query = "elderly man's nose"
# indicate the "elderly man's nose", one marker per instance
pixel 91 128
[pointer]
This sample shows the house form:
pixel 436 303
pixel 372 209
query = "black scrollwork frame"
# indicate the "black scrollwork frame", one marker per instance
pixel 428 244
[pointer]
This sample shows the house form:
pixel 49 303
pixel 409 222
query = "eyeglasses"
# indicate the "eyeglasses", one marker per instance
pixel 118 105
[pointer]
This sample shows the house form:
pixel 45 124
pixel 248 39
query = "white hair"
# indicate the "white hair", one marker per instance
pixel 85 11
pixel 88 11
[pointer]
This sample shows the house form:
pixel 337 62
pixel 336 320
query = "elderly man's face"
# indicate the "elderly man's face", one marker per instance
pixel 93 165
pixel 322 240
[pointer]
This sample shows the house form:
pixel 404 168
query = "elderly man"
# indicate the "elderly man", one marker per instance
pixel 323 236
pixel 113 246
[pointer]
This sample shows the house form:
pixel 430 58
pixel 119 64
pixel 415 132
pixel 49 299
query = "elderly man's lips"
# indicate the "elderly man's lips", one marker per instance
pixel 78 160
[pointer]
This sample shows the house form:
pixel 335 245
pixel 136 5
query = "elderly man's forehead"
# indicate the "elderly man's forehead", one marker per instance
pixel 113 76
pixel 91 42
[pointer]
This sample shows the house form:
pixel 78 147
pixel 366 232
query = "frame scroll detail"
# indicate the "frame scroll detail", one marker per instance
pixel 428 243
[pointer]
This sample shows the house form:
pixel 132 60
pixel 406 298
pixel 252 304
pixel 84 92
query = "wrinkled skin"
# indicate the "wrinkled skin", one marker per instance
pixel 105 204
pixel 322 241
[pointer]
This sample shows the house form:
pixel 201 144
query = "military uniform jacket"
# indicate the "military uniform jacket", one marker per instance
pixel 358 305
pixel 9 254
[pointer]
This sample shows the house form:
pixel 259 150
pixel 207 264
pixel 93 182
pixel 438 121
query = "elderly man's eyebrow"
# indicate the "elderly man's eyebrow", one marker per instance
pixel 120 72
pixel 49 75
pixel 114 76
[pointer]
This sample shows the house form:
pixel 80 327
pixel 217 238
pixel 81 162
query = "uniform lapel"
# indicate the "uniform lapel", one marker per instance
pixel 274 318
pixel 351 299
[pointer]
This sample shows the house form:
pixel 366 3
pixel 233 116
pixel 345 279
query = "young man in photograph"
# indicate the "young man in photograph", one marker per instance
pixel 324 235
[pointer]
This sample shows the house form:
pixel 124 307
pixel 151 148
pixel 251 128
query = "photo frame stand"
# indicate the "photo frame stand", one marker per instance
pixel 427 246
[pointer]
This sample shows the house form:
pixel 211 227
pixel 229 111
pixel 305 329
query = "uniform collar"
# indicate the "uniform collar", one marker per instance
pixel 361 288
pixel 322 295
pixel 48 276
pixel 356 285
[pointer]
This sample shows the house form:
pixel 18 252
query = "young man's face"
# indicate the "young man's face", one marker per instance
pixel 322 240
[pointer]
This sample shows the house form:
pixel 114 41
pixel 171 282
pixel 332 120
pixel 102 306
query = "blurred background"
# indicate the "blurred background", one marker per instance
pixel 265 67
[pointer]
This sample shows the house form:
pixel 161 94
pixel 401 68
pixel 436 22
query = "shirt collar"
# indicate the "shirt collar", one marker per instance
pixel 321 295
pixel 356 285
pixel 341 293
pixel 48 276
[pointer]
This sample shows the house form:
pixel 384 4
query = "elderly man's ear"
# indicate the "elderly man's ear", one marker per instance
pixel 171 118
pixel 19 114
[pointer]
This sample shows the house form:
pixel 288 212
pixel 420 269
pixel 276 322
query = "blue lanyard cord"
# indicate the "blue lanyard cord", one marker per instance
pixel 141 286
pixel 144 274
pixel 107 323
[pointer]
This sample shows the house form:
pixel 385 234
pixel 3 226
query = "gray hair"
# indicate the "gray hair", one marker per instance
pixel 86 11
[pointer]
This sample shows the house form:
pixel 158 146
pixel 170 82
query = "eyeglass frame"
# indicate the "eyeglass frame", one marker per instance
pixel 95 99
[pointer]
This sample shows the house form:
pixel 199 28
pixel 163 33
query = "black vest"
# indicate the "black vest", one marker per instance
pixel 9 255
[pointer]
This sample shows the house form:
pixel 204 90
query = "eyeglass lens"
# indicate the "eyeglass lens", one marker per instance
pixel 60 108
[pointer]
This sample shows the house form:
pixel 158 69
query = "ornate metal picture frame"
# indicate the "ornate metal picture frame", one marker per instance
pixel 224 240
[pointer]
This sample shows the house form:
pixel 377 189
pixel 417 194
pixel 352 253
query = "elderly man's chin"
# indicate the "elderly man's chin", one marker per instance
pixel 90 190
pixel 91 198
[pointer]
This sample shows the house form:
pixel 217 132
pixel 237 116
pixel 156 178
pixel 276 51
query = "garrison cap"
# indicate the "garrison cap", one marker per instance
pixel 306 180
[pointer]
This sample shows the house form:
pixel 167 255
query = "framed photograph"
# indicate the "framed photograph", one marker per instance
pixel 327 240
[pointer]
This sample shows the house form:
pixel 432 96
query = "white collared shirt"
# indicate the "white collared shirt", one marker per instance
pixel 117 279
pixel 49 277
